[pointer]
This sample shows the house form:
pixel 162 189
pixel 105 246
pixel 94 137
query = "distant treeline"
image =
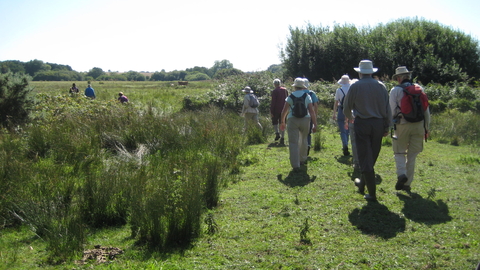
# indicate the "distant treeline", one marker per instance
pixel 44 71
pixel 433 52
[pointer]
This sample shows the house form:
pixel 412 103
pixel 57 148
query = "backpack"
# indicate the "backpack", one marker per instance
pixel 343 98
pixel 253 101
pixel 413 103
pixel 299 108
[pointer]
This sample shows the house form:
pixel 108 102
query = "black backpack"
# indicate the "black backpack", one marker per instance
pixel 253 102
pixel 299 108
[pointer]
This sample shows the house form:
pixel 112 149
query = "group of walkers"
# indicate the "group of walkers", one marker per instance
pixel 90 93
pixel 365 113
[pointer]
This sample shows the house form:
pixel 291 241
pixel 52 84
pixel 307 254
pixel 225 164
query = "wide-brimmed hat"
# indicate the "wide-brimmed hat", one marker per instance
pixel 344 80
pixel 365 67
pixel 299 82
pixel 400 71
pixel 247 89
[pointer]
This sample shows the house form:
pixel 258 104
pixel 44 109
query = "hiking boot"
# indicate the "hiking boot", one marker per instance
pixel 282 141
pixel 401 180
pixel 370 198
pixel 345 151
pixel 277 136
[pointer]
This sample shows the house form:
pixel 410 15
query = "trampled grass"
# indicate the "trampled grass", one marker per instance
pixel 272 218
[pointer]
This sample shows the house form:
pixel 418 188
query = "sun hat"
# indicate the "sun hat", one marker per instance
pixel 365 67
pixel 299 82
pixel 247 89
pixel 400 71
pixel 306 82
pixel 345 80
pixel 277 81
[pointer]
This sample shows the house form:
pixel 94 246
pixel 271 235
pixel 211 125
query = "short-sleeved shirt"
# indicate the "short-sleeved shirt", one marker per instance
pixel 298 93
pixel 312 95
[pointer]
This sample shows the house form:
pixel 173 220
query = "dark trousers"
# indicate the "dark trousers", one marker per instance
pixel 368 139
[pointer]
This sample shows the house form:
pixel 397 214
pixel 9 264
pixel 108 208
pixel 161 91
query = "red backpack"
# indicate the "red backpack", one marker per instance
pixel 414 103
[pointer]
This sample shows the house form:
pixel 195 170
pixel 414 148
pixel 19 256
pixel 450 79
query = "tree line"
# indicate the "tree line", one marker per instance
pixel 44 71
pixel 435 53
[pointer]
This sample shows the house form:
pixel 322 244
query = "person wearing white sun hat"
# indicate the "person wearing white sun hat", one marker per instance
pixel 369 100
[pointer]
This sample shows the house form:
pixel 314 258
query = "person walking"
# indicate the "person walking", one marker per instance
pixel 369 100
pixel 90 92
pixel 408 137
pixel 315 108
pixel 249 110
pixel 279 95
pixel 338 115
pixel 298 125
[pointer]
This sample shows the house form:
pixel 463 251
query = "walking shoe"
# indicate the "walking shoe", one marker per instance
pixel 345 151
pixel 401 180
pixel 370 198
pixel 406 188
pixel 277 136
pixel 282 141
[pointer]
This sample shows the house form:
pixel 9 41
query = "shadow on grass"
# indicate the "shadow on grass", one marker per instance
pixel 277 144
pixel 375 219
pixel 424 210
pixel 297 178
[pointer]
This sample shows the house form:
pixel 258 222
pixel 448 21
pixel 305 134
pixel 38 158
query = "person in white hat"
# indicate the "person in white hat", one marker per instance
pixel 250 113
pixel 338 115
pixel 298 127
pixel 369 100
pixel 408 136
pixel 279 94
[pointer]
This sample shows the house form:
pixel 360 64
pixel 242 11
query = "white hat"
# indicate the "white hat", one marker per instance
pixel 247 89
pixel 345 80
pixel 306 82
pixel 299 82
pixel 400 71
pixel 365 67
pixel 277 81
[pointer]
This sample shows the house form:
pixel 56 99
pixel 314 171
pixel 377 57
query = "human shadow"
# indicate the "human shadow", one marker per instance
pixel 277 144
pixel 298 178
pixel 375 219
pixel 347 160
pixel 423 210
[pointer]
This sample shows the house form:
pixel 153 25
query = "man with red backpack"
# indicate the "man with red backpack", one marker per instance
pixel 411 118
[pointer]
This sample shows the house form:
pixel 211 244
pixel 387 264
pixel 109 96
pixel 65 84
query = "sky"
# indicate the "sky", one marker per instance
pixel 155 35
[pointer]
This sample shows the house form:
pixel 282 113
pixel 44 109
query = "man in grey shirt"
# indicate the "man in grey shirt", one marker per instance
pixel 369 100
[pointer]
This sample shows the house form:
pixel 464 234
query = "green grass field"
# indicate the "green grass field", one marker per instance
pixel 269 217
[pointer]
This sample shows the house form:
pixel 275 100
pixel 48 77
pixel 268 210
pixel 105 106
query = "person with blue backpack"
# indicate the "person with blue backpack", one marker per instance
pixel 298 111
pixel 409 132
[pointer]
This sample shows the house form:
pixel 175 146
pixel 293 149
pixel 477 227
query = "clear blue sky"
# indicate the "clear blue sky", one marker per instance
pixel 151 35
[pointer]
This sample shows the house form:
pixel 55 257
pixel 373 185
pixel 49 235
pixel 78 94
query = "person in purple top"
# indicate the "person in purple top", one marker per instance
pixel 122 98
pixel 279 94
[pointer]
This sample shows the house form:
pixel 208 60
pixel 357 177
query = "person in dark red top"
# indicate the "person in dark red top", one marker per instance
pixel 279 95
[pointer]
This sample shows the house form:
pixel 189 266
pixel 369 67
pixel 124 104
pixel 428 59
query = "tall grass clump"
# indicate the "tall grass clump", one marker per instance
pixel 456 127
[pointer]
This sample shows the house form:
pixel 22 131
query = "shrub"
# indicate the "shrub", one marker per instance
pixel 15 99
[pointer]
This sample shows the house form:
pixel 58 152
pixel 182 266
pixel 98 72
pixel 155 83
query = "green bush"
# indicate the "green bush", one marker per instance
pixel 15 99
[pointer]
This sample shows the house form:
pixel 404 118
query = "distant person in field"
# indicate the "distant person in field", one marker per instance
pixel 90 92
pixel 315 108
pixel 369 101
pixel 122 98
pixel 250 111
pixel 338 115
pixel 408 136
pixel 298 126
pixel 279 94
pixel 74 89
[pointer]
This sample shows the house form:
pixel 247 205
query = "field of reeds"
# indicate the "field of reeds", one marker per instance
pixel 175 182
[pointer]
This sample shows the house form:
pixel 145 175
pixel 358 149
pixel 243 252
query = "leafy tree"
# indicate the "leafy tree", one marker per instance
pixel 34 66
pixel 58 75
pixel 219 65
pixel 95 72
pixel 134 76
pixel 15 99
pixel 13 66
pixel 158 76
pixel 60 67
